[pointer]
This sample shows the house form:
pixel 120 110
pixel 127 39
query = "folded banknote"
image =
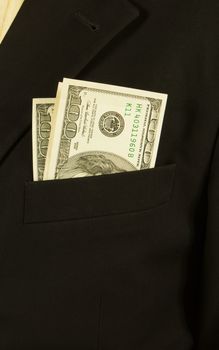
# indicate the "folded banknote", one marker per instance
pixel 92 128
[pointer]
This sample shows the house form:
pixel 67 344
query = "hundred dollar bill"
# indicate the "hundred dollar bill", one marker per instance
pixel 42 115
pixel 104 129
pixel 53 126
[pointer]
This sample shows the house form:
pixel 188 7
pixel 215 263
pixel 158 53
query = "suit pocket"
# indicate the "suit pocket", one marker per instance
pixel 77 198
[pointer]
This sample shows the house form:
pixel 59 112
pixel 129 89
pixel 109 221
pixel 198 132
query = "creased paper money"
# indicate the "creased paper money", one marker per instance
pixel 42 115
pixel 103 129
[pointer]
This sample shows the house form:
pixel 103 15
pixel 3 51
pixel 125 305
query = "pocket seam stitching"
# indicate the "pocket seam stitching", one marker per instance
pixel 111 213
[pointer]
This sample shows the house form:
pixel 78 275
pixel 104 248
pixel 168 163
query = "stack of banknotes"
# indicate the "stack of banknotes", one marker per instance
pixel 92 128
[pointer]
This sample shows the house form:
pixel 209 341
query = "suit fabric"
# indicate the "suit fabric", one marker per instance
pixel 128 261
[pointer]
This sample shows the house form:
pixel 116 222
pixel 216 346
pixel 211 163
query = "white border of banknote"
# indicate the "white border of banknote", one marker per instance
pixel 49 152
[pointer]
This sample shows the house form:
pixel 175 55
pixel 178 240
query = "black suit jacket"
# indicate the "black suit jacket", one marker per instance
pixel 128 261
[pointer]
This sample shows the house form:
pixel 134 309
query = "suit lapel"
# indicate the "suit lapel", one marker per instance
pixel 47 41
